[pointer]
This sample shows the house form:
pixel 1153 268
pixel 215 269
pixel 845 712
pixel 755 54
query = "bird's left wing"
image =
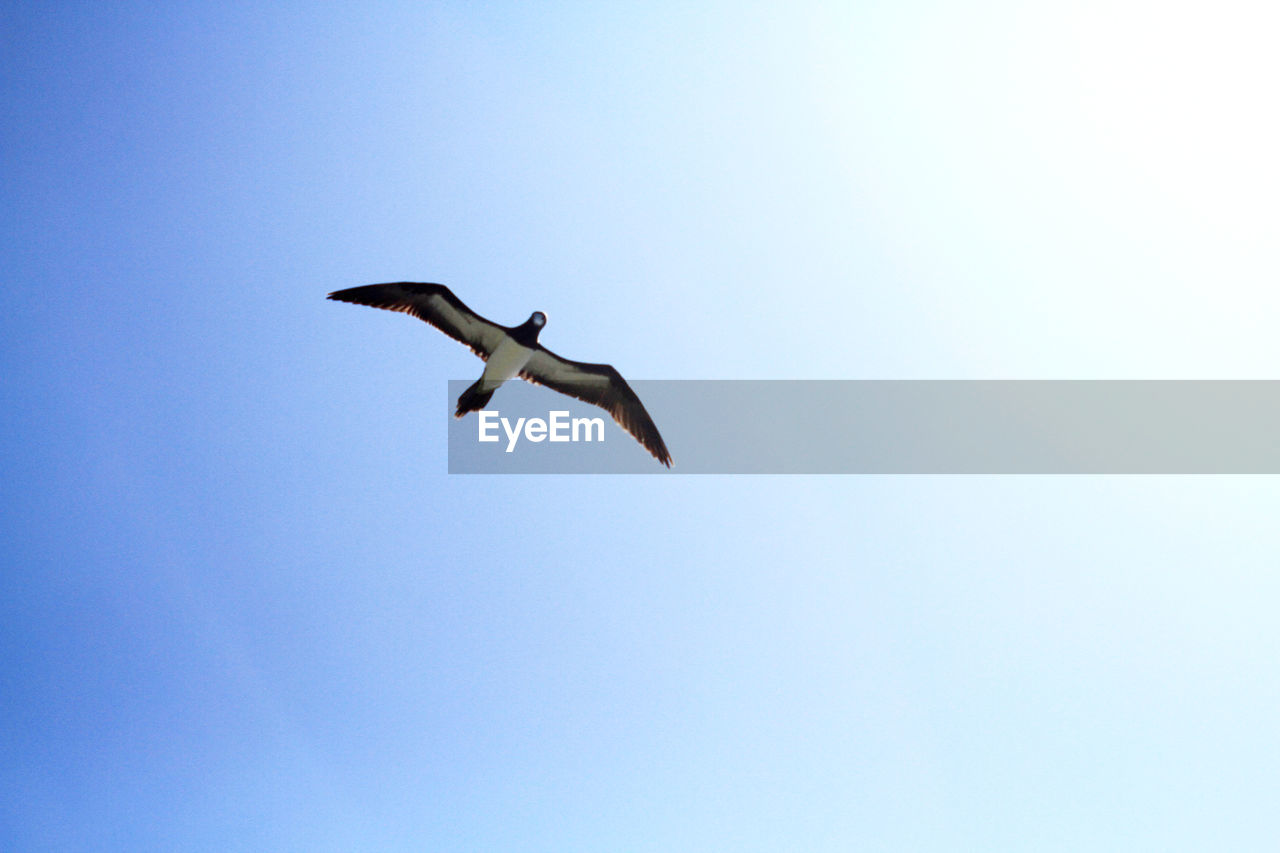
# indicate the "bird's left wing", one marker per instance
pixel 433 303
pixel 599 385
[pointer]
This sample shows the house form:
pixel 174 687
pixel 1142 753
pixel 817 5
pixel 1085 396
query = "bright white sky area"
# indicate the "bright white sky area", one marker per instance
pixel 243 607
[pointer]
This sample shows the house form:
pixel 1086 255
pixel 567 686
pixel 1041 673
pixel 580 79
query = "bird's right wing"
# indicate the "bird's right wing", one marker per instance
pixel 435 304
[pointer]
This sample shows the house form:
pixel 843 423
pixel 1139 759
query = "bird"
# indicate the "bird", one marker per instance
pixel 511 351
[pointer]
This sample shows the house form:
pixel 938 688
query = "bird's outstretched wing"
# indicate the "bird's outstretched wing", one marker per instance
pixel 599 385
pixel 433 303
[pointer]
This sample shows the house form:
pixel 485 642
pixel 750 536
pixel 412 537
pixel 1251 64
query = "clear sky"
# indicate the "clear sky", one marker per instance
pixel 242 606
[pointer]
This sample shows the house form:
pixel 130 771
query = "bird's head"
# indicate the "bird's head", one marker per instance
pixel 537 319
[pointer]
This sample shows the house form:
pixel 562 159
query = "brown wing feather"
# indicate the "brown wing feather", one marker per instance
pixel 433 303
pixel 600 385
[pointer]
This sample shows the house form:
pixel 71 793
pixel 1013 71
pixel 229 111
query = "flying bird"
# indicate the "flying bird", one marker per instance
pixel 510 351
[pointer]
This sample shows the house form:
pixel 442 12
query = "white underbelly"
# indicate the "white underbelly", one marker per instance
pixel 505 363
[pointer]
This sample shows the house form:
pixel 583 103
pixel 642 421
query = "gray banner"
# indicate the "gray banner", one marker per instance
pixel 887 427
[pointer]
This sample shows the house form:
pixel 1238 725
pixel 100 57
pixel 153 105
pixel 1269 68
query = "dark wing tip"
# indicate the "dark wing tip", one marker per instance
pixel 373 295
pixel 630 414
pixel 403 296
pixel 649 438
pixel 401 288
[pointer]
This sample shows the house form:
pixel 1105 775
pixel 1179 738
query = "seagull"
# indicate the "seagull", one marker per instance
pixel 510 351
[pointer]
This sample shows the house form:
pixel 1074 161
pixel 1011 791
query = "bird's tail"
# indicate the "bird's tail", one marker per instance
pixel 473 399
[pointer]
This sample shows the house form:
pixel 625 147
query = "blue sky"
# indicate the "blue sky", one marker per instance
pixel 243 606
